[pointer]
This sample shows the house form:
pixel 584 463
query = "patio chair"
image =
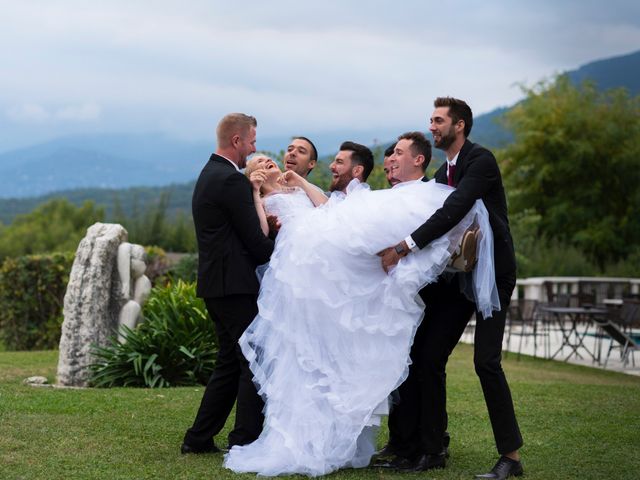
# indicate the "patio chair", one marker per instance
pixel 621 332
pixel 522 321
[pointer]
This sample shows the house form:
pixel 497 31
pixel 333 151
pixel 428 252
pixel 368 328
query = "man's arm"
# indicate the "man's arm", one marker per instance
pixel 315 194
pixel 481 173
pixel 244 219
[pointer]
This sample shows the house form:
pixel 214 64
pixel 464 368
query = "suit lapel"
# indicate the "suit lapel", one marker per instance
pixel 441 173
pixel 460 163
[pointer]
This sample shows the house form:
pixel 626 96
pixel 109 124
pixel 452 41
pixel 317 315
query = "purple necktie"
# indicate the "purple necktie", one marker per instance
pixel 452 172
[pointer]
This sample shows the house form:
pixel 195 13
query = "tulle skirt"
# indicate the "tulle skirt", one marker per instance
pixel 333 333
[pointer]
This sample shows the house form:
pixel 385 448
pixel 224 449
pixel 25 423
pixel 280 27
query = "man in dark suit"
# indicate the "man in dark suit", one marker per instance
pixel 230 245
pixel 419 421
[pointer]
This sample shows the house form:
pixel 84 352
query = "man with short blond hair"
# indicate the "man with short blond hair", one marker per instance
pixel 231 245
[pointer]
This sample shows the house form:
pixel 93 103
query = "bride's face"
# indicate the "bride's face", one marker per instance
pixel 272 168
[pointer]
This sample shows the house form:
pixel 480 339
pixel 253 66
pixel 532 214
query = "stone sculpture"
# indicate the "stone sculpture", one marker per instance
pixel 107 287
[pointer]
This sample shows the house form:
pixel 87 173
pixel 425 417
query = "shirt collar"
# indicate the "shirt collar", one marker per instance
pixel 454 160
pixel 232 163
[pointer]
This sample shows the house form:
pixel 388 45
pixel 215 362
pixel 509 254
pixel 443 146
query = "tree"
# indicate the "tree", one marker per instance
pixel 575 166
pixel 55 226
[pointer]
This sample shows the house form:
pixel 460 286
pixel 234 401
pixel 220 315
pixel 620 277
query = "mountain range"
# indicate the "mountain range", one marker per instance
pixel 75 166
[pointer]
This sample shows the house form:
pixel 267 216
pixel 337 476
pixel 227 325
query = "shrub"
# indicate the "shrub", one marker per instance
pixel 174 345
pixel 32 292
pixel 157 264
pixel 186 269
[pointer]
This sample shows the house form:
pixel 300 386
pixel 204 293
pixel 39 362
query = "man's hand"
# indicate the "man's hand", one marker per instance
pixel 390 256
pixel 291 179
pixel 274 225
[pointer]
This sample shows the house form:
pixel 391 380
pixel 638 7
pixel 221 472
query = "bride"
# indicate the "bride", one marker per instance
pixel 333 333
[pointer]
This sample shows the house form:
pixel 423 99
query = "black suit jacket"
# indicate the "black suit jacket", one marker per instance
pixel 230 241
pixel 477 176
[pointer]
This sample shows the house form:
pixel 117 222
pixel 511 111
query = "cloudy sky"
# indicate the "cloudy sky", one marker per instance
pixel 175 67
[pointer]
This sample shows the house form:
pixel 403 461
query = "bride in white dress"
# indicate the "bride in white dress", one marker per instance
pixel 333 333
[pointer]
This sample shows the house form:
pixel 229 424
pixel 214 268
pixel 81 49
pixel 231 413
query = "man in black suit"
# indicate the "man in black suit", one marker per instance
pixel 420 419
pixel 230 245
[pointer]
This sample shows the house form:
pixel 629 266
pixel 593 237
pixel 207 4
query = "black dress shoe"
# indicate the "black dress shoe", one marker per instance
pixel 446 440
pixel 419 464
pixel 504 469
pixel 186 448
pixel 386 452
pixel 394 462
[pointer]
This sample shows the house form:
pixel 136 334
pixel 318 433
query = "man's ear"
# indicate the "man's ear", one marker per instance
pixel 460 126
pixel 235 140
pixel 419 160
pixel 357 171
pixel 312 164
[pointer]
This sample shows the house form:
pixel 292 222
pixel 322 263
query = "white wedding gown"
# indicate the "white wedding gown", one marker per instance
pixel 333 333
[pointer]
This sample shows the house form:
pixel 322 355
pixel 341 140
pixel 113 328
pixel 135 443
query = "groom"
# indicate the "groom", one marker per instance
pixel 420 419
pixel 230 247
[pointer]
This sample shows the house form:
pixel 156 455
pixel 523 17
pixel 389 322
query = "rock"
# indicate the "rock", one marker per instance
pixel 92 302
pixel 35 381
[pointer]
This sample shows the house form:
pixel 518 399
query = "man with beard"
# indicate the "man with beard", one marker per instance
pixel 301 156
pixel 352 161
pixel 231 245
pixel 421 414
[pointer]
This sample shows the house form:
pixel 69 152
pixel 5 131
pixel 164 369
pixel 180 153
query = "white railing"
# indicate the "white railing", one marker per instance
pixel 535 288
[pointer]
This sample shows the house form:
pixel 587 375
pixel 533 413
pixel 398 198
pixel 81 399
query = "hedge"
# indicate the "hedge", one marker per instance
pixel 32 291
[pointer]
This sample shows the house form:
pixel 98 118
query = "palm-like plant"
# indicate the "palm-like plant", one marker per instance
pixel 174 345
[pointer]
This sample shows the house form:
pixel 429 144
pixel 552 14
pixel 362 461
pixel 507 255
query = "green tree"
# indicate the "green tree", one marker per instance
pixel 575 165
pixel 54 226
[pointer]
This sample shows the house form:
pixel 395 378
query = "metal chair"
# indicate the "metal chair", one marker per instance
pixel 620 329
pixel 522 320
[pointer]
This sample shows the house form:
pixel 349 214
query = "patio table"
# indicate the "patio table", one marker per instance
pixel 572 337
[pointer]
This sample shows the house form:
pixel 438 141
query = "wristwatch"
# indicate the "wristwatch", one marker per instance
pixel 400 250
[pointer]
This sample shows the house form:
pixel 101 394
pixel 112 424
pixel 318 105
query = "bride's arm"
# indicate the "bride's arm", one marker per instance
pixel 257 178
pixel 316 195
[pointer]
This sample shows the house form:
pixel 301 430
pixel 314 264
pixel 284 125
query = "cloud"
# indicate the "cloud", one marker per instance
pixel 34 113
pixel 299 66
pixel 79 113
pixel 28 113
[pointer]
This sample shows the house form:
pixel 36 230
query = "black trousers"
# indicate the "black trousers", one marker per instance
pixel 418 422
pixel 231 378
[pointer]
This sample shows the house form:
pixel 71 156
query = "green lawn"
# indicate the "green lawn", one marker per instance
pixel 577 423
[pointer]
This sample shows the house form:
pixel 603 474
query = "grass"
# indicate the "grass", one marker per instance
pixel 577 423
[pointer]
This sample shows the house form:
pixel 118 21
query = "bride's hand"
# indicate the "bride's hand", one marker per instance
pixel 257 178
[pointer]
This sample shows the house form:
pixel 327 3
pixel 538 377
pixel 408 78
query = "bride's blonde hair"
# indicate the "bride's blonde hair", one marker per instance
pixel 251 163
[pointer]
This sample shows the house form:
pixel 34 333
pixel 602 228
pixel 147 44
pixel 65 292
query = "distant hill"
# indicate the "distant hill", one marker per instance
pixel 105 161
pixel 122 161
pixel 130 200
pixel 622 71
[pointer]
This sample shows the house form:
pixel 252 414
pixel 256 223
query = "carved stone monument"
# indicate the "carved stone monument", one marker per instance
pixel 107 287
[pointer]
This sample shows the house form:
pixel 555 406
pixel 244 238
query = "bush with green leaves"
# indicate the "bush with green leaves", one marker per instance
pixel 174 345
pixel 186 269
pixel 157 264
pixel 32 292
